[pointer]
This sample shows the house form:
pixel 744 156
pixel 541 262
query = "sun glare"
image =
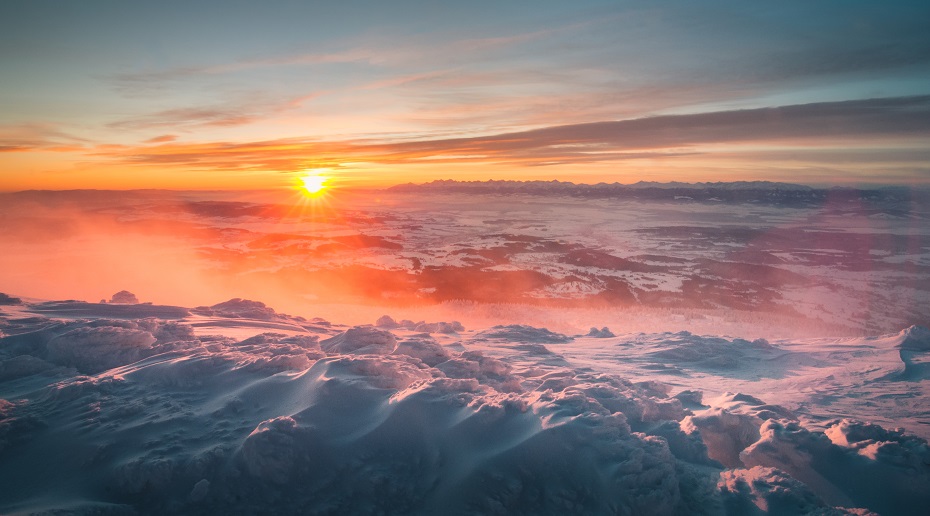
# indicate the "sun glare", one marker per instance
pixel 314 183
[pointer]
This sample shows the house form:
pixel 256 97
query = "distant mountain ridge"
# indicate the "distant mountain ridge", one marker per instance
pixel 737 191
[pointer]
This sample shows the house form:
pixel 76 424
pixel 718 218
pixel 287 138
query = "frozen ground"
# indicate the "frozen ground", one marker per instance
pixel 237 409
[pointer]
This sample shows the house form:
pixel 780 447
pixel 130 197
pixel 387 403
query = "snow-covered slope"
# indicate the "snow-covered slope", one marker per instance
pixel 237 409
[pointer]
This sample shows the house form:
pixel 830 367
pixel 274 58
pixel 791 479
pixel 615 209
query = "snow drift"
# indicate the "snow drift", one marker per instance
pixel 150 416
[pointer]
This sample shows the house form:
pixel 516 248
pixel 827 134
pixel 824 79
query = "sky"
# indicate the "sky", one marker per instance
pixel 234 95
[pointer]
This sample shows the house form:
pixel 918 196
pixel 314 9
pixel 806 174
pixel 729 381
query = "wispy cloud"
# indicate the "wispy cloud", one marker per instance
pixel 130 81
pixel 379 53
pixel 563 73
pixel 165 138
pixel 220 116
pixel 806 125
pixel 241 110
pixel 38 137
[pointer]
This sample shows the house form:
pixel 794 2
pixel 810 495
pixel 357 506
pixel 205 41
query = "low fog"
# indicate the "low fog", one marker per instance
pixel 849 266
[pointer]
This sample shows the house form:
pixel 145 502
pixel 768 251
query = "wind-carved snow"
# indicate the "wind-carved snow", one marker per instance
pixel 158 416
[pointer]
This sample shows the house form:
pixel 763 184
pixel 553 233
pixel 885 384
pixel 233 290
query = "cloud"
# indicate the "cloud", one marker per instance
pixel 238 110
pixel 375 52
pixel 824 123
pixel 38 137
pixel 165 138
pixel 846 119
pixel 150 79
pixel 215 116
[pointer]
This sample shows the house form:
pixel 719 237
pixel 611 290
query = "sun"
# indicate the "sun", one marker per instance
pixel 314 183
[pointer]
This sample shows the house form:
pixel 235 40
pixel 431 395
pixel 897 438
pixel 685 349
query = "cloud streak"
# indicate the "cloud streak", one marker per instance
pixel 38 137
pixel 229 114
pixel 377 54
pixel 804 125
